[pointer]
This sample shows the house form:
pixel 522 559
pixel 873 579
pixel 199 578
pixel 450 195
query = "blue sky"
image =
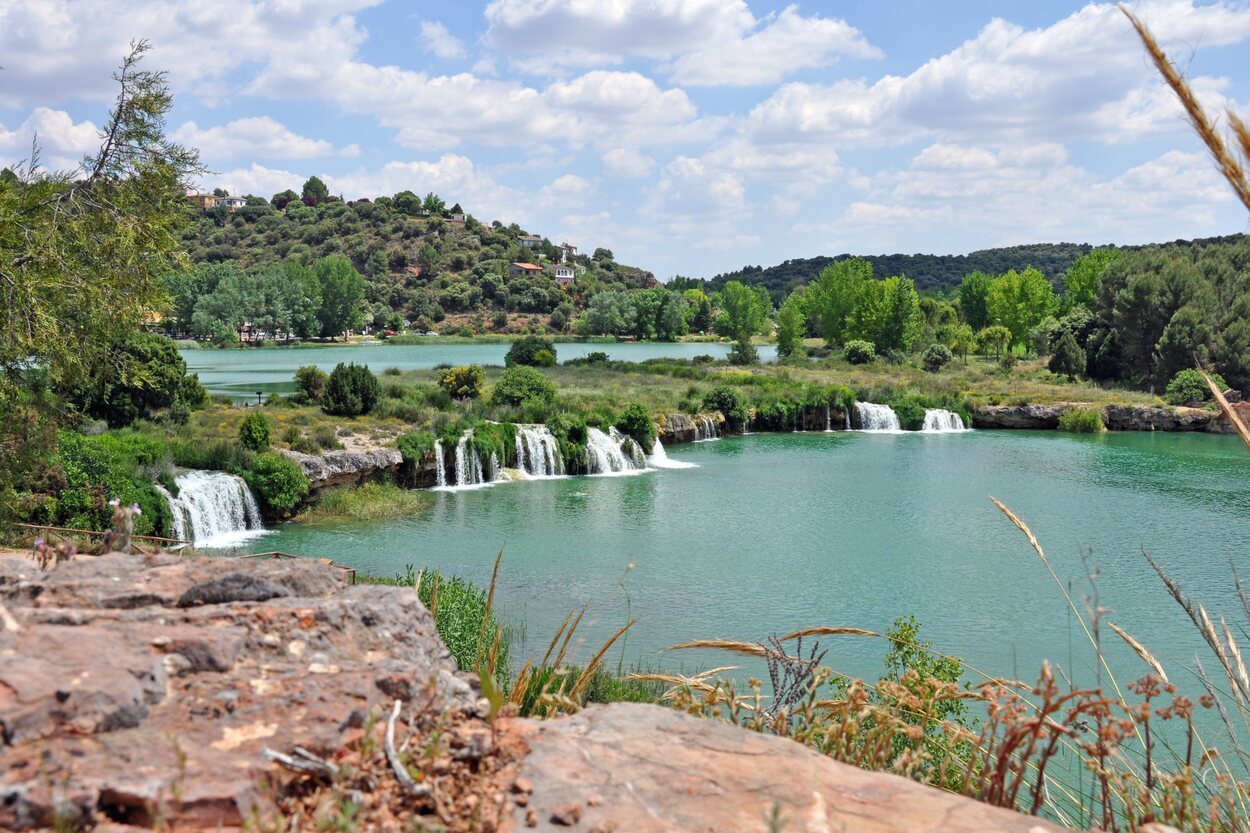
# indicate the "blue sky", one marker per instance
pixel 689 136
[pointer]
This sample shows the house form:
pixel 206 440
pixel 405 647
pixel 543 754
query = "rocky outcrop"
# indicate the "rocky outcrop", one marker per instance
pixel 673 429
pixel 1145 418
pixel 643 769
pixel 1017 416
pixel 335 468
pixel 132 688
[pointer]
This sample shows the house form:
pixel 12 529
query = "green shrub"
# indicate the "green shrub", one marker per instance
pixel 351 391
pixel 222 455
pixel 1189 386
pixel 291 435
pixel 935 357
pixel 518 384
pixel 191 393
pixel 326 438
pixel 415 445
pixel 1082 421
pixel 910 411
pixel 532 351
pixel 726 400
pixel 596 358
pixel 254 432
pixel 311 381
pixel 464 382
pixel 86 472
pixel 278 484
pixel 635 421
pixel 859 351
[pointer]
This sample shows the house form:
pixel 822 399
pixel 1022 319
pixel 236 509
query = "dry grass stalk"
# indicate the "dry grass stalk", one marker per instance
pixel 1228 409
pixel 490 603
pixel 1141 651
pixel 1232 169
pixel 828 631
pixel 749 648
pixel 596 662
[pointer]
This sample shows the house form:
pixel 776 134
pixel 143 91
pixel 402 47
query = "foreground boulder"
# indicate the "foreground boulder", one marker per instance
pixel 145 689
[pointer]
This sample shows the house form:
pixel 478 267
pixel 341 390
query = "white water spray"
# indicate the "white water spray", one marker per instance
pixel 939 421
pixel 538 452
pixel 213 509
pixel 879 419
pixel 659 459
pixel 604 453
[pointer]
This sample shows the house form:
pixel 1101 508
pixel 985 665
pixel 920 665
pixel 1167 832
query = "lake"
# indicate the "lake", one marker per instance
pixel 772 533
pixel 240 373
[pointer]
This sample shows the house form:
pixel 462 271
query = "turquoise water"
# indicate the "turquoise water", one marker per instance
pixel 241 373
pixel 773 533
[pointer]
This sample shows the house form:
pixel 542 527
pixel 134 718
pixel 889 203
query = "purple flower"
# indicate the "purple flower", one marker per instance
pixel 135 510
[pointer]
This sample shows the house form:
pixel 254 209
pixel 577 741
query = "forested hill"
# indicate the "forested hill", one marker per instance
pixel 936 273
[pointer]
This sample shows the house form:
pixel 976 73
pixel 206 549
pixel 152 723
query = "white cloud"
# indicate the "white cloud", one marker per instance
pixel 1083 77
pixel 255 179
pixel 260 137
pixel 62 141
pixel 567 191
pixel 452 176
pixel 627 163
pixel 436 39
pixel 709 42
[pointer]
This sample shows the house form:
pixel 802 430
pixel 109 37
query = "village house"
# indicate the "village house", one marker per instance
pixel 567 252
pixel 204 202
pixel 527 269
pixel 456 215
pixel 564 274
pixel 530 241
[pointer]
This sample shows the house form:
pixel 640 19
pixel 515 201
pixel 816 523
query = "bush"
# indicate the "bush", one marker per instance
pixel 636 422
pixel 311 382
pixel 596 359
pixel 726 400
pixel 278 484
pixel 191 393
pixel 935 357
pixel 326 437
pixel 519 384
pixel 1189 386
pixel 254 432
pixel 910 413
pixel 859 352
pixel 464 382
pixel 1082 421
pixel 351 391
pixel 532 351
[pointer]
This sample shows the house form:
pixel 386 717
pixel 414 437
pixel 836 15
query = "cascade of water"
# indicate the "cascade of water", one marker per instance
pixel 939 421
pixel 846 418
pixel 213 509
pixel 704 428
pixel 877 418
pixel 659 459
pixel 468 463
pixel 604 454
pixel 828 419
pixel 440 466
pixel 538 451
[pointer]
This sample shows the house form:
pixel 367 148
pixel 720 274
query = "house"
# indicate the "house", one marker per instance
pixel 564 275
pixel 530 241
pixel 527 269
pixel 231 203
pixel 206 201
pixel 567 252
pixel 456 215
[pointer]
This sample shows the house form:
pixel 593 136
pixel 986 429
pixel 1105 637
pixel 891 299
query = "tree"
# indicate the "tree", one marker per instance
pixel 670 318
pixel 1019 301
pixel 281 199
pixel 972 299
pixel 1188 386
pixel 315 190
pixel 962 340
pixel 791 325
pixel 857 351
pixel 935 357
pixel 996 338
pixel 1067 357
pixel 520 384
pixel 834 296
pixel 609 313
pixel 434 204
pixel 407 202
pixel 532 351
pixel 464 382
pixel 1080 282
pixel 635 421
pixel 311 381
pixel 254 432
pixel 351 391
pixel 342 293
pixel 744 313
pixel 427 257
pixel 888 315
pixel 603 255
pixel 133 379
pixel 82 252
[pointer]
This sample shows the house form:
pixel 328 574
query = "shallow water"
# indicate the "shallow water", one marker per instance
pixel 772 533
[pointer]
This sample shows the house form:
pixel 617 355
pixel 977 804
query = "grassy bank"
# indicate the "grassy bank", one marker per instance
pixel 367 502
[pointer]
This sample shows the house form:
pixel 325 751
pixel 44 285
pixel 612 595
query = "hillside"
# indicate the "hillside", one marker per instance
pixel 936 273
pixel 428 263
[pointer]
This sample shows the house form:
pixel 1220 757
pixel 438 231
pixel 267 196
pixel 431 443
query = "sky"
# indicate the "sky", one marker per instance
pixel 689 136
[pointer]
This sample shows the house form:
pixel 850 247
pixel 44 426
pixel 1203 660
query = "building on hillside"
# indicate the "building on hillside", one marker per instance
pixel 232 203
pixel 530 241
pixel 456 215
pixel 527 269
pixel 204 202
pixel 564 274
pixel 567 252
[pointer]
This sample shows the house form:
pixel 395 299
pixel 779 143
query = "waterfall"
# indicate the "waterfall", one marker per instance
pixel 846 418
pixel 213 509
pixel 938 421
pixel 468 464
pixel 704 428
pixel 604 454
pixel 660 460
pixel 440 466
pixel 828 419
pixel 538 452
pixel 875 418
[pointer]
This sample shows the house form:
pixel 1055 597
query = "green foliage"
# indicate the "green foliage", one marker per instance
pixel 351 391
pixel 367 502
pixel 857 351
pixel 834 296
pixel 910 411
pixel 191 393
pixel 1082 421
pixel 744 313
pixel 962 340
pixel 888 315
pixel 1080 282
pixel 315 190
pixel 935 357
pixel 1019 301
pixel 531 351
pixel 726 400
pixel 254 432
pixel 1067 357
pixel 415 445
pixel 994 339
pixel 311 382
pixel 635 421
pixel 278 484
pixel 520 384
pixel 134 379
pixel 1189 386
pixel 973 299
pixel 464 381
pixel 792 325
pixel 342 293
